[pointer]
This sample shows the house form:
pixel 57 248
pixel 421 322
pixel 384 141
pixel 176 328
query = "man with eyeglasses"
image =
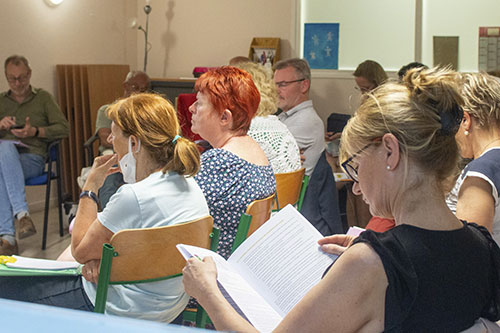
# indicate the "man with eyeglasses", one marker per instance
pixel 320 206
pixel 135 82
pixel 29 120
pixel 293 80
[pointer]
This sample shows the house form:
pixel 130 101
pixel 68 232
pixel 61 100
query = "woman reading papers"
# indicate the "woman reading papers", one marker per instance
pixel 432 272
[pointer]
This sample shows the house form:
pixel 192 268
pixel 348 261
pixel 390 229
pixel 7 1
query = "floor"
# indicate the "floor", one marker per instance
pixel 32 246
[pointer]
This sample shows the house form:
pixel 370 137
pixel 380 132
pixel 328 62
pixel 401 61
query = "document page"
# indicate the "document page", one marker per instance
pixel 282 259
pixel 44 264
pixel 260 314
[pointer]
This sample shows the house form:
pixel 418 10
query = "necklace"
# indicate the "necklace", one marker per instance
pixel 486 146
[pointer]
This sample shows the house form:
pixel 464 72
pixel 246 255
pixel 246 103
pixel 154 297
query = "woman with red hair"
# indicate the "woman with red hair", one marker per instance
pixel 236 171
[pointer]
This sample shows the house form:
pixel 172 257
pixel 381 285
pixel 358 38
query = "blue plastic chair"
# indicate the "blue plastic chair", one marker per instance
pixel 45 179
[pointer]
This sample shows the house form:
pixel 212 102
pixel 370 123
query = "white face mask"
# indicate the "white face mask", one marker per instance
pixel 128 163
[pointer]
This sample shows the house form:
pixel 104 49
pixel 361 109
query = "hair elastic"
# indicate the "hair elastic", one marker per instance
pixel 175 138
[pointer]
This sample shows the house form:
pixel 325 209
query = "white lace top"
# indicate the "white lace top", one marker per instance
pixel 277 143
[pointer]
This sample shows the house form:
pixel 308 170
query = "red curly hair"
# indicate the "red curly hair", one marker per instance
pixel 231 88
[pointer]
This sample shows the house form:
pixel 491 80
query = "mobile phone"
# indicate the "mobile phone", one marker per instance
pixel 17 127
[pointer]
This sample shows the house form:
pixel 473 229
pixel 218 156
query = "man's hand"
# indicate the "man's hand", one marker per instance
pixel 7 122
pixel 25 132
pixel 330 136
pixel 302 156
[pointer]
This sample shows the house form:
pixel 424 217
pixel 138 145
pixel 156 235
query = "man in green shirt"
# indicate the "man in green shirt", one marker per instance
pixel 29 120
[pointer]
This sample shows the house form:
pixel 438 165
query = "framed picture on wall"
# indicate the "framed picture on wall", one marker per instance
pixel 321 45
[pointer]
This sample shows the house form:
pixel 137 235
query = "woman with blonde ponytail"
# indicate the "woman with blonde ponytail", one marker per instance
pixel 158 166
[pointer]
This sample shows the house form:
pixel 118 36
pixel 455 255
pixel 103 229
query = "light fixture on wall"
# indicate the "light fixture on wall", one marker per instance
pixel 53 3
pixel 147 46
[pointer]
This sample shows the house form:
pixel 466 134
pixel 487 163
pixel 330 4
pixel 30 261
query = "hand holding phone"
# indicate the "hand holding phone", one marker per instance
pixel 17 127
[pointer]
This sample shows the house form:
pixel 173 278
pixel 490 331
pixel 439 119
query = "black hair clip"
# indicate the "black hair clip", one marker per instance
pixel 450 120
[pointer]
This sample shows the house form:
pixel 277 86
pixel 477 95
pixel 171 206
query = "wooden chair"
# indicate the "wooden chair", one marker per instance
pixel 147 255
pixel 290 189
pixel 257 213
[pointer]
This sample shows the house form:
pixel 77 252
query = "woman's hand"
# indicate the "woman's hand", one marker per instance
pixel 336 244
pixel 103 166
pixel 90 270
pixel 200 277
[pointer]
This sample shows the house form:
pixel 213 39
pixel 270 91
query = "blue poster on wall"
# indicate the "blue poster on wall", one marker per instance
pixel 321 45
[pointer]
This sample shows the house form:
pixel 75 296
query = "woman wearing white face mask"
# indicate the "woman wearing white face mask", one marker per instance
pixel 157 164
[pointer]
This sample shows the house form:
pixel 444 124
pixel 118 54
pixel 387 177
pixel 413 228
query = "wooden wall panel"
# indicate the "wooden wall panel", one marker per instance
pixel 82 90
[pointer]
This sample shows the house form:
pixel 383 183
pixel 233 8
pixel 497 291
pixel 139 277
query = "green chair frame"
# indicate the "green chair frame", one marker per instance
pixel 256 214
pixel 147 255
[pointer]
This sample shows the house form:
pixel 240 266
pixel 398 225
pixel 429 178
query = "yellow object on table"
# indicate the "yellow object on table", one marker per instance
pixel 6 259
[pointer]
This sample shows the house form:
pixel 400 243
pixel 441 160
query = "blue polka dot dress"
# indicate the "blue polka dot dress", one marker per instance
pixel 230 184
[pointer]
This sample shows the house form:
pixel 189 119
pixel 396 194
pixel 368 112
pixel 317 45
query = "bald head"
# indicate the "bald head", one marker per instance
pixel 238 60
pixel 135 82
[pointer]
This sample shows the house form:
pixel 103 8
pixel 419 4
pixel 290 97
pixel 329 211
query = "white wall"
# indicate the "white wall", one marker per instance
pixel 75 32
pixel 188 33
pixel 463 19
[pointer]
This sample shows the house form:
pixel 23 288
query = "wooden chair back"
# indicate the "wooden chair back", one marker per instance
pixel 288 188
pixel 256 214
pixel 147 255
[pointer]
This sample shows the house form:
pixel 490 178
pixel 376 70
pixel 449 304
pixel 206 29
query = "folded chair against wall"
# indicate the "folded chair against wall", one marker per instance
pixel 290 189
pixel 147 255
pixel 53 155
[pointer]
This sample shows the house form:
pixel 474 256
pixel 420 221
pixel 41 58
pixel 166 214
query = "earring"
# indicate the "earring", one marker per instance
pixel 466 133
pixel 388 167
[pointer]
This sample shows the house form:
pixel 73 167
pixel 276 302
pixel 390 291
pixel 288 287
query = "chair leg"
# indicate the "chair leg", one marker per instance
pixel 46 214
pixel 47 202
pixel 59 196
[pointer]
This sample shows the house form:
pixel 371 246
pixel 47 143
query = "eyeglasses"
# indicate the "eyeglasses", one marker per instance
pixel 20 78
pixel 349 168
pixel 283 84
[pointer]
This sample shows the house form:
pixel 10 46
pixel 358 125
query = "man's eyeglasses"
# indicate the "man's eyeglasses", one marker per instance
pixel 283 84
pixel 20 78
pixel 352 169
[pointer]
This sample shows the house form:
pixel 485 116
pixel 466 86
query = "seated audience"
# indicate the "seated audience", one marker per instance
pixel 272 135
pixel 29 115
pixel 135 82
pixel 475 195
pixel 432 272
pixel 236 171
pixel 157 165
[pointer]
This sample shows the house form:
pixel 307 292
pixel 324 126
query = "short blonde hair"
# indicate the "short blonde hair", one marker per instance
pixel 153 120
pixel 263 79
pixel 481 93
pixel 423 113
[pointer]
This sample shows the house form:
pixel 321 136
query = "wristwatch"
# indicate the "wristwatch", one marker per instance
pixel 90 195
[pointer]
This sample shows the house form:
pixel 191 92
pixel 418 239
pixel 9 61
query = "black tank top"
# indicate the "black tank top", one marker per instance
pixel 439 281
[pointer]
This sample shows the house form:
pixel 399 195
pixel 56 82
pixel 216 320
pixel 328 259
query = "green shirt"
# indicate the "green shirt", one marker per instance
pixel 43 111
